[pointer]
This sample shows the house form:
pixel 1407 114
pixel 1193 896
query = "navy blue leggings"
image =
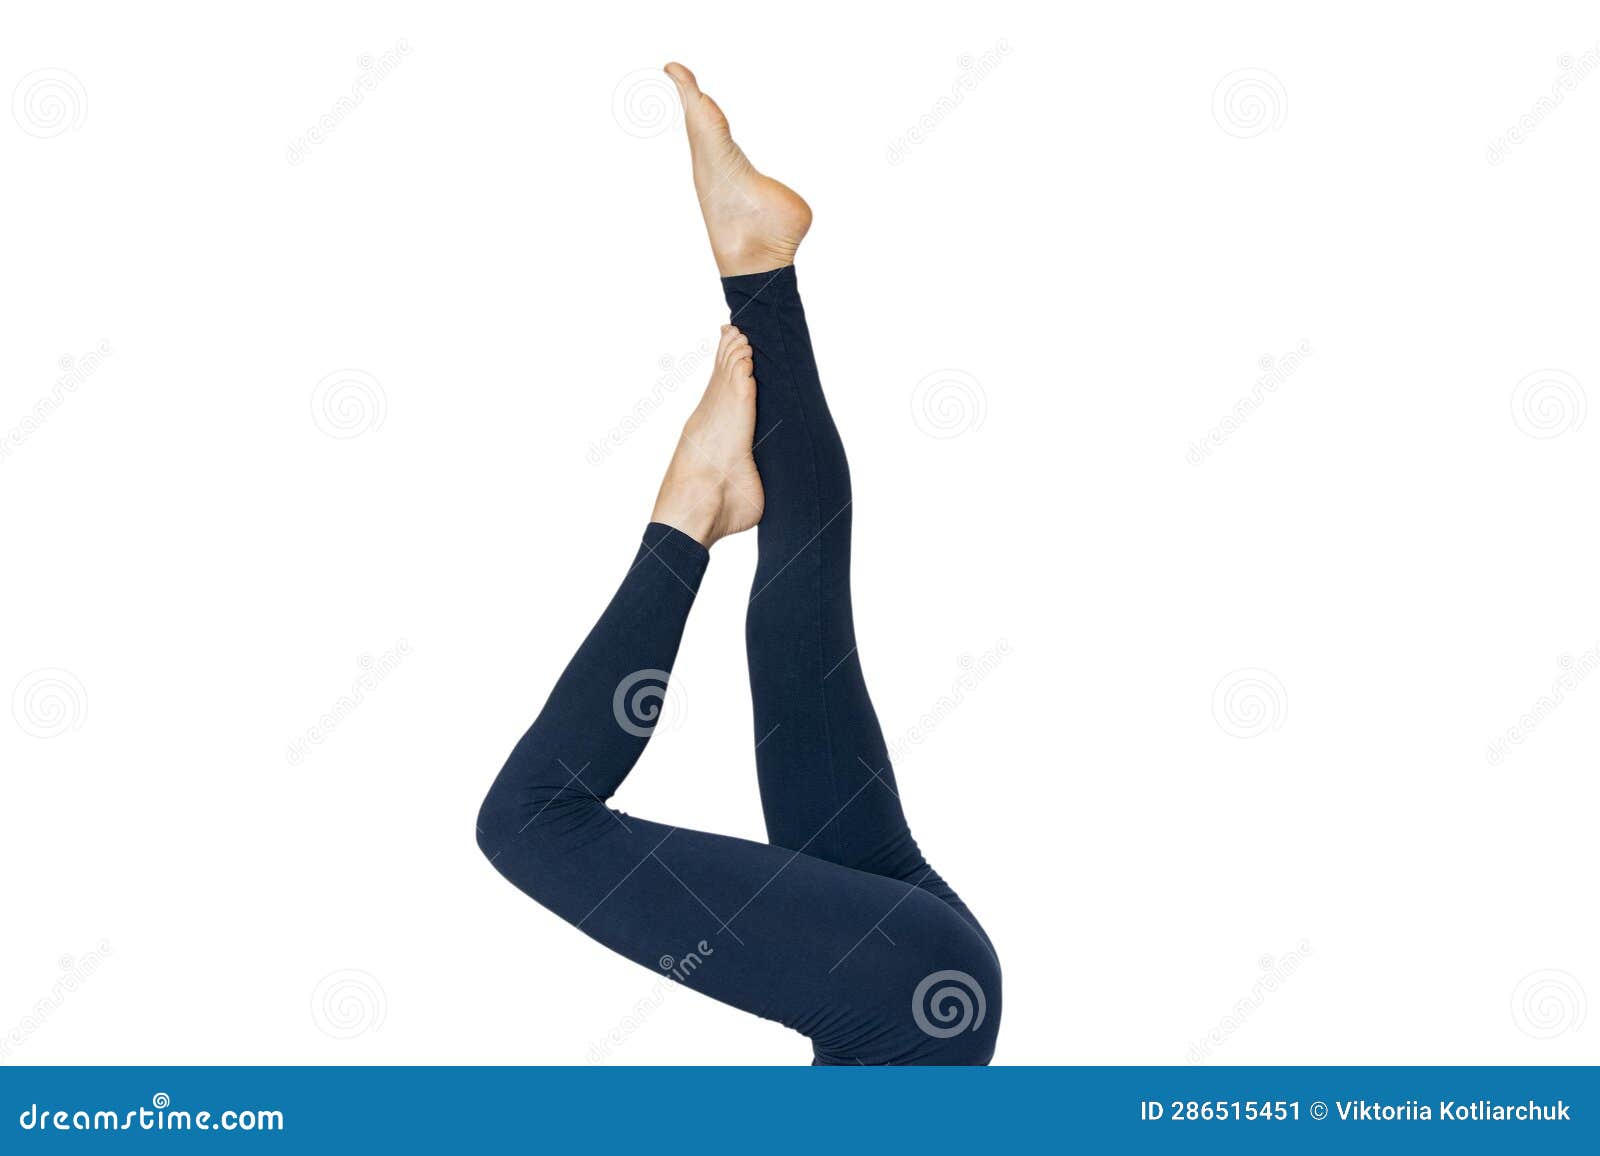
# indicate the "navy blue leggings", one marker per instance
pixel 837 928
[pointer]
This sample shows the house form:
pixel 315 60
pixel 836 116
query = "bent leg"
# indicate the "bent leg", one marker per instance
pixel 860 963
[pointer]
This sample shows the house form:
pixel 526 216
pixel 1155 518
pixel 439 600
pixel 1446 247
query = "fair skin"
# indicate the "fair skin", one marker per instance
pixel 755 224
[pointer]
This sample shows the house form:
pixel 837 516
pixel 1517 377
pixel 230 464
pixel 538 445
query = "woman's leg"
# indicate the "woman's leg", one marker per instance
pixel 872 970
pixel 823 766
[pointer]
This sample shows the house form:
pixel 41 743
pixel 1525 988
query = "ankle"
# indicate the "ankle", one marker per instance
pixel 691 502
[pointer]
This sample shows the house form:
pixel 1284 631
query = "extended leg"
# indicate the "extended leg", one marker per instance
pixel 820 755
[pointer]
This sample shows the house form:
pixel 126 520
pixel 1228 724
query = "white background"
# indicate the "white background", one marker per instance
pixel 500 237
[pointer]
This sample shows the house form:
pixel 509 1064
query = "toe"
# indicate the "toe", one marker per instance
pixel 699 109
pixel 684 79
pixel 734 346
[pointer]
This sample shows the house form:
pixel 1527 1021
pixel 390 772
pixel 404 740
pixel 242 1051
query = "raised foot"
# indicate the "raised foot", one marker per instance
pixel 712 488
pixel 755 223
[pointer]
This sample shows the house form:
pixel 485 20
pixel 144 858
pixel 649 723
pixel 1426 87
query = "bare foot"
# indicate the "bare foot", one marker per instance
pixel 712 488
pixel 755 222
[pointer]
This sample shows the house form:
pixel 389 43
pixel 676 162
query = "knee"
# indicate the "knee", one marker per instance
pixel 533 823
pixel 956 1009
pixel 932 996
pixel 494 825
